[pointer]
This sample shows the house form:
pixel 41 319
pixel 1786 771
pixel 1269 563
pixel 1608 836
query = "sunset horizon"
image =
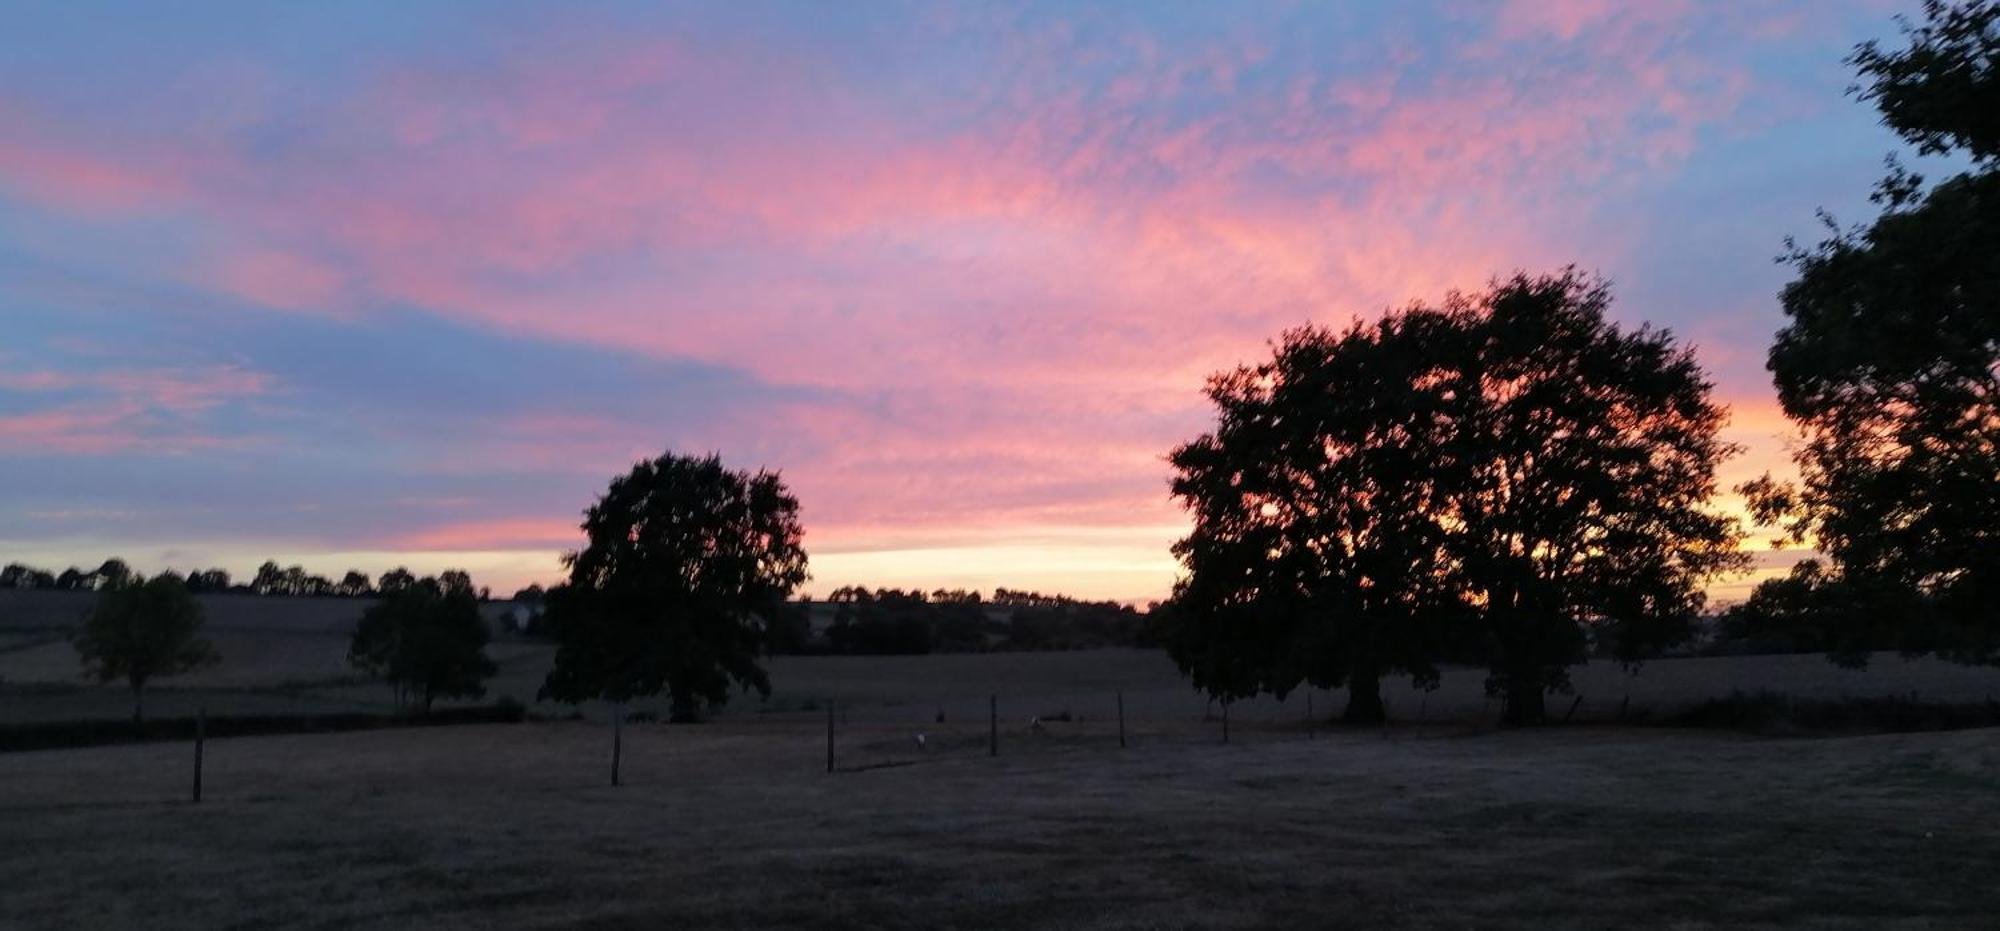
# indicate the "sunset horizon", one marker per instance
pixel 353 292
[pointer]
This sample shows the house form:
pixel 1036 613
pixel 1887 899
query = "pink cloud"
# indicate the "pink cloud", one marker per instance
pixel 158 410
pixel 280 280
pixel 78 180
pixel 1023 287
pixel 493 534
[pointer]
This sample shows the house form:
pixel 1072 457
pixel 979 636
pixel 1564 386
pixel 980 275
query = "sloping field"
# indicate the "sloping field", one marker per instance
pixel 733 825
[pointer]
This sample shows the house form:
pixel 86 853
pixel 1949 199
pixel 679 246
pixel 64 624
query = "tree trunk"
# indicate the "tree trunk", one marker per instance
pixel 1525 698
pixel 1364 699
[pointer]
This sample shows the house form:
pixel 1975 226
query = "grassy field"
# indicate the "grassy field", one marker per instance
pixel 733 825
pixel 1439 821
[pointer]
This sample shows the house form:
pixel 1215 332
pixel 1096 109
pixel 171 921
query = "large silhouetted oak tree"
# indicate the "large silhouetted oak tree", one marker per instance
pixel 1318 553
pixel 683 557
pixel 1890 365
pixel 141 630
pixel 1511 462
pixel 1578 481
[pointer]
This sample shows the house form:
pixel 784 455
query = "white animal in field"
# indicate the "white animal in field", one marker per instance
pixel 921 745
pixel 1035 724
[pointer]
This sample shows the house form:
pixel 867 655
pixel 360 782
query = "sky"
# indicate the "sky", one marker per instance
pixel 377 284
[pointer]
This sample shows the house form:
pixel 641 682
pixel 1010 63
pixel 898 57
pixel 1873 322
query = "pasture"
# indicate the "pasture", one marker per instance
pixel 1438 821
pixel 732 825
pixel 288 655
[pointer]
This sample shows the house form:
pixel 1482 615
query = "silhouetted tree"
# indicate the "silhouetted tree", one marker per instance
pixel 113 573
pixel 1580 474
pixel 142 630
pixel 1317 553
pixel 395 580
pixel 428 640
pixel 1890 366
pixel 457 581
pixel 885 621
pixel 682 554
pixel 270 579
pixel 17 575
pixel 208 580
pixel 1942 92
pixel 788 628
pixel 355 584
pixel 71 579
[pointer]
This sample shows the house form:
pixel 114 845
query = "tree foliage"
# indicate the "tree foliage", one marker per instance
pixel 1318 549
pixel 141 630
pixel 1511 462
pixel 1889 364
pixel 1941 93
pixel 1583 471
pixel 427 639
pixel 682 556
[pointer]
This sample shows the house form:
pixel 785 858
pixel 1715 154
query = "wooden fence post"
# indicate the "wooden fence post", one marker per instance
pixel 200 734
pixel 992 725
pixel 617 739
pixel 1225 721
pixel 829 736
pixel 1121 720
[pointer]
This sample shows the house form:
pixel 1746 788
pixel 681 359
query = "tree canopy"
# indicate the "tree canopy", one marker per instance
pixel 427 639
pixel 1318 549
pixel 141 630
pixel 1582 470
pixel 1941 93
pixel 1511 462
pixel 1889 363
pixel 682 556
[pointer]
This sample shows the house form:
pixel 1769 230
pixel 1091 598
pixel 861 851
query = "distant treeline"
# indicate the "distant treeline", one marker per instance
pixel 895 621
pixel 271 580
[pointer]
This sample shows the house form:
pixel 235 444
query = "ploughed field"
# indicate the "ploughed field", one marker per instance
pixel 735 824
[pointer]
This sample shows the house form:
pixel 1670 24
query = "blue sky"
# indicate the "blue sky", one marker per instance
pixel 371 284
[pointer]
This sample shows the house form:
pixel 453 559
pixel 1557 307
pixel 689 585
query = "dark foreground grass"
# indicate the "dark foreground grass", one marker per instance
pixel 733 826
pixel 50 735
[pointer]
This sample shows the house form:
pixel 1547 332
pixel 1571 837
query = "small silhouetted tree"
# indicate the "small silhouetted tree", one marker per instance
pixel 683 555
pixel 113 573
pixel 355 584
pixel 208 580
pixel 18 575
pixel 140 631
pixel 427 640
pixel 395 580
pixel 788 629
